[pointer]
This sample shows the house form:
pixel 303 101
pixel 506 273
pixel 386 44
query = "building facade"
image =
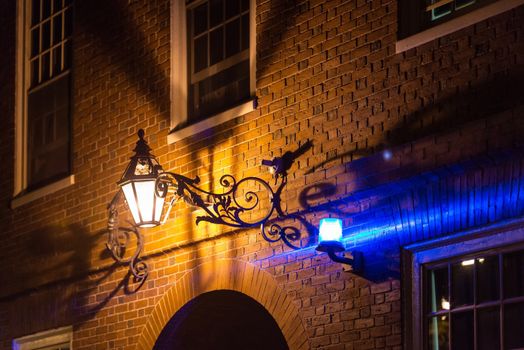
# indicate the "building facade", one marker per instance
pixel 405 122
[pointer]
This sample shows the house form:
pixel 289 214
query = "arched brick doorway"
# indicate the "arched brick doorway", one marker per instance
pixel 233 275
pixel 221 319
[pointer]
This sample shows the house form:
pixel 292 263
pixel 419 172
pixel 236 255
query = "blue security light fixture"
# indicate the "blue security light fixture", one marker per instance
pixel 330 241
pixel 330 235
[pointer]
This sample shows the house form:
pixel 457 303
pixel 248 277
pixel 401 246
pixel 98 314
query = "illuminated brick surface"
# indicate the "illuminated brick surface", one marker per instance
pixel 326 71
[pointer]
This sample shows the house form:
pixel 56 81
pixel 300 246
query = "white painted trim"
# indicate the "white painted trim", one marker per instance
pixel 20 82
pixel 179 76
pixel 178 63
pixel 211 122
pixel 253 47
pixel 456 24
pixel 48 338
pixel 43 191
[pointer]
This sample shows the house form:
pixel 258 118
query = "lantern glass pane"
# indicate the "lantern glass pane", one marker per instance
pixel 330 229
pixel 159 205
pixel 145 192
pixel 131 201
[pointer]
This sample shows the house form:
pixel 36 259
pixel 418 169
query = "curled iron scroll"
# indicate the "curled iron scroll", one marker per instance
pixel 119 238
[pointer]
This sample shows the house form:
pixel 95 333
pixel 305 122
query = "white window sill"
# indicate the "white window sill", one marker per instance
pixel 456 24
pixel 44 339
pixel 41 192
pixel 210 122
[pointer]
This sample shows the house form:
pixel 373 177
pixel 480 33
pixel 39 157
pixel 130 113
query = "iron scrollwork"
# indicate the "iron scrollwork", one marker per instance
pixel 119 239
pixel 234 206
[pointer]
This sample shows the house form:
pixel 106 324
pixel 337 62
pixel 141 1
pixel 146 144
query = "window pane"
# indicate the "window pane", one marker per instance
pixel 34 72
pixel 513 274
pixel 48 128
pixel 220 91
pixel 67 55
pixel 57 60
pixel 61 93
pixel 487 278
pixel 232 8
pixel 233 37
pixel 46 9
pixel 62 127
pixel 35 41
pixel 438 333
pixel 462 283
pixel 35 12
pixel 57 5
pixel 217 12
pixel 200 19
pixel 245 32
pixel 37 136
pixel 488 329
pixel 217 45
pixel 441 11
pixel 57 29
pixel 45 66
pixel 46 35
pixel 437 290
pixel 462 330
pixel 49 131
pixel 200 58
pixel 245 5
pixel 514 326
pixel 68 23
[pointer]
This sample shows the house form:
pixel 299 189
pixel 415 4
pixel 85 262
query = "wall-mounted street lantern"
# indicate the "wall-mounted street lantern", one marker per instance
pixel 138 184
pixel 246 203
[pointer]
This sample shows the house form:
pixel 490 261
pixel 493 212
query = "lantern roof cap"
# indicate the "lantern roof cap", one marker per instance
pixel 143 164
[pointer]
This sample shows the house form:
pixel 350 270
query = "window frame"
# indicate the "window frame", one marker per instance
pixel 21 193
pixel 487 240
pixel 46 338
pixel 180 83
pixel 453 24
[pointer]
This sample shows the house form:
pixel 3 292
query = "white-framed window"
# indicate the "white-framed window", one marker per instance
pixel 43 108
pixel 425 20
pixel 466 291
pixel 213 54
pixel 56 339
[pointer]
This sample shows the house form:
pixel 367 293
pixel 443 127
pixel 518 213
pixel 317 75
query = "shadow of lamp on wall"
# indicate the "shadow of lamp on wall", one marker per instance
pixel 245 203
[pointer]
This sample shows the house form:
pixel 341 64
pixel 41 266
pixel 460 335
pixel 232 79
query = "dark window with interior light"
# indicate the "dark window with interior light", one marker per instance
pixel 416 16
pixel 218 56
pixel 475 302
pixel 48 85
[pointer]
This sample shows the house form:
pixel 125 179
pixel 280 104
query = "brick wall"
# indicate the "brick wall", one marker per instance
pixel 326 71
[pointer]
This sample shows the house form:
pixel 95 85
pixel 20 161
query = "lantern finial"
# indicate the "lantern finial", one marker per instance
pixel 142 148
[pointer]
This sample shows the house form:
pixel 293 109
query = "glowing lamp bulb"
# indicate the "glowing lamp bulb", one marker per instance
pixel 330 235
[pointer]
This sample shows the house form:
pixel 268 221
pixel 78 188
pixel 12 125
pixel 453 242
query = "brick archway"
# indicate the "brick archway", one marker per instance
pixel 232 275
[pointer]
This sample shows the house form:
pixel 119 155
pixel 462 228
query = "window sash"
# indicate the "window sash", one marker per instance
pixel 183 124
pixel 26 89
pixel 488 240
pixel 202 105
pixel 475 307
pixel 53 58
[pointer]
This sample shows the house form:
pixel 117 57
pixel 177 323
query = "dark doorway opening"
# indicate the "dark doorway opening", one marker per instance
pixel 222 319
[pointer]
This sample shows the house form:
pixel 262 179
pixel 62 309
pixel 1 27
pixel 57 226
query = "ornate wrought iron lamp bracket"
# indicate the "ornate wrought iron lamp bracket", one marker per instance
pixel 245 203
pixel 233 207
